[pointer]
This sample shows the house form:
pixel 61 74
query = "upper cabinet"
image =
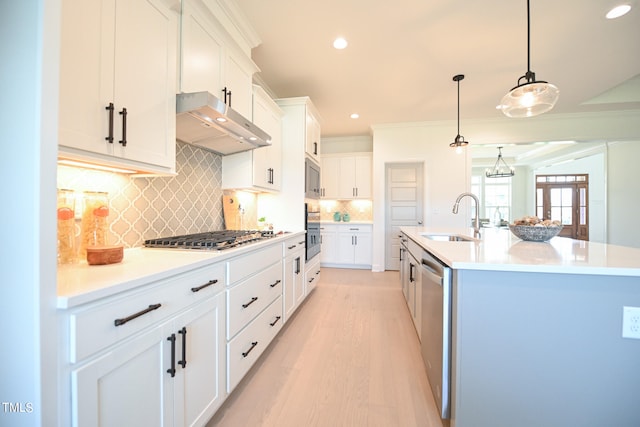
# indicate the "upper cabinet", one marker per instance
pixel 212 61
pixel 259 169
pixel 118 83
pixel 346 176
pixel 312 146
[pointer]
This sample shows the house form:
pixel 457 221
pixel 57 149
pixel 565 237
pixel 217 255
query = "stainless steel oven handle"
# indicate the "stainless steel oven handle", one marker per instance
pixel 430 270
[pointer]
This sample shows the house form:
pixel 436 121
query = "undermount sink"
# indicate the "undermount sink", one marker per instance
pixel 449 237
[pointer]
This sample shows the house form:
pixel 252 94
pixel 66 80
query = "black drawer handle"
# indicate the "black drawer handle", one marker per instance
pixel 123 141
pixel 274 284
pixel 275 321
pixel 172 369
pixel 311 280
pixel 110 108
pixel 303 242
pixel 291 247
pixel 253 345
pixel 183 332
pixel 122 321
pixel 209 283
pixel 254 299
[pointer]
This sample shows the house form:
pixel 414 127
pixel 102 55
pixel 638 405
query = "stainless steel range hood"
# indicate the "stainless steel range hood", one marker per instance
pixel 207 122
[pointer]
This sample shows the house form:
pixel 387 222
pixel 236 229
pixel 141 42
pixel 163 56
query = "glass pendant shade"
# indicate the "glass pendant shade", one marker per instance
pixel 530 99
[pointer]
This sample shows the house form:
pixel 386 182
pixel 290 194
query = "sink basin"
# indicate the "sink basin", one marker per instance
pixel 449 237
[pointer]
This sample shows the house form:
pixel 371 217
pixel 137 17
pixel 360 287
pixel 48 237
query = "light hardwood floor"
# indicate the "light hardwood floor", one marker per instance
pixel 350 356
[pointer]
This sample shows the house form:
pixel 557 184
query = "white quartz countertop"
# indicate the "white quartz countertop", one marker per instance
pixel 500 250
pixel 82 283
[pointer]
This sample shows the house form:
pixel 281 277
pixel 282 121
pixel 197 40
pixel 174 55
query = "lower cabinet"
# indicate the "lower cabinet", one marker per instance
pixel 351 245
pixel 311 274
pixel 171 375
pixel 254 308
pixel 411 279
pixel 294 286
pixel 169 353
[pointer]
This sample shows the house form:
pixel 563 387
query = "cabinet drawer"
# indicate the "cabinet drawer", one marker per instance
pixel 293 246
pixel 248 345
pixel 245 266
pixel 414 249
pixel 248 298
pixel 94 327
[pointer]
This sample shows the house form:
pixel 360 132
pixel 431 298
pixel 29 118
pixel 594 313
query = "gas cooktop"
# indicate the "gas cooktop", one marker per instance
pixel 211 240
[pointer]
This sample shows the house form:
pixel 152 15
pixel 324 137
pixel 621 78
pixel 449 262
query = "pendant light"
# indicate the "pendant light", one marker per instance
pixel 500 169
pixel 531 97
pixel 459 142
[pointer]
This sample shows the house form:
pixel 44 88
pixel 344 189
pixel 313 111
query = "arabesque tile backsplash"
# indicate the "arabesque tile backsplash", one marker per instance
pixel 147 207
pixel 190 202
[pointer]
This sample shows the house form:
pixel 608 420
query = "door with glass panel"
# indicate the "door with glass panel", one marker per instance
pixel 565 198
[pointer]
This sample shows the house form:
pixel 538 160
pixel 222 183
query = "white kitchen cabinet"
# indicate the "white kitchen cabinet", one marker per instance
pixel 259 169
pixel 347 177
pixel 118 83
pixel 255 309
pixel 312 142
pixel 353 246
pixel 287 208
pixel 311 274
pixel 211 60
pixel 329 244
pixel 294 285
pixel 411 279
pixel 330 177
pixel 168 367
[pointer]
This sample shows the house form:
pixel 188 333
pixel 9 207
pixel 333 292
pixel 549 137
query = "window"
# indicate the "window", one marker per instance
pixel 494 195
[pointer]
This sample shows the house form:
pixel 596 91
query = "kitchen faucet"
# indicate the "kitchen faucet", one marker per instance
pixel 476 219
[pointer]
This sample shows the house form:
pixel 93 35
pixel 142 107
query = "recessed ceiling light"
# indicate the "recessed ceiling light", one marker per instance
pixel 340 43
pixel 618 11
pixel 354 115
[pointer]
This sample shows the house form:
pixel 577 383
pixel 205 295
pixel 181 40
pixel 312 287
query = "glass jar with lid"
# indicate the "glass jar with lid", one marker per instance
pixel 66 226
pixel 95 220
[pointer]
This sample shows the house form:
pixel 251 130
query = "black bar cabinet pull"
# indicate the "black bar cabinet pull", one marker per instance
pixel 123 113
pixel 275 321
pixel 254 299
pixel 274 284
pixel 110 108
pixel 411 266
pixel 124 320
pixel 292 246
pixel 183 332
pixel 229 99
pixel 225 94
pixel 172 369
pixel 297 265
pixel 209 283
pixel 253 345
pixel 315 148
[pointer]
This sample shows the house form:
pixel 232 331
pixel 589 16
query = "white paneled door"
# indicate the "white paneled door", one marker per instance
pixel 403 205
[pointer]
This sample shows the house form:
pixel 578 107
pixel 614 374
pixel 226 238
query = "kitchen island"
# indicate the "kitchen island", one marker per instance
pixel 536 330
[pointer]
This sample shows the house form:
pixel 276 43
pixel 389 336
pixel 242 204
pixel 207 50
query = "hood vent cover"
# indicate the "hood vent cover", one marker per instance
pixel 207 122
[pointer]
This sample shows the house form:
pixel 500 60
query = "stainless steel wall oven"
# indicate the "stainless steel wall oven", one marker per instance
pixel 312 227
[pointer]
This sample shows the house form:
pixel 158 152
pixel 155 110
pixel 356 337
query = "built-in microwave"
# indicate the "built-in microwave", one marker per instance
pixel 311 179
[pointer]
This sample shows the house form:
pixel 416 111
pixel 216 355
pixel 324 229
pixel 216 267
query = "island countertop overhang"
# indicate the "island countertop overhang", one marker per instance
pixel 499 250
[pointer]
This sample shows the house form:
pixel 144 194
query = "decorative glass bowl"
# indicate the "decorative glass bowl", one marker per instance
pixel 535 234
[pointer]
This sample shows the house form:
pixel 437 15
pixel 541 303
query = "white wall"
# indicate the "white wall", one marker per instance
pixel 29 87
pixel 446 174
pixel 347 144
pixel 623 193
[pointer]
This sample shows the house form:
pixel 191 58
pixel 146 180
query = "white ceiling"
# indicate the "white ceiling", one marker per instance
pixel 402 56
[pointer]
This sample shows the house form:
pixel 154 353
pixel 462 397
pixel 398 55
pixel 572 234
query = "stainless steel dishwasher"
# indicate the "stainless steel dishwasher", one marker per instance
pixel 436 329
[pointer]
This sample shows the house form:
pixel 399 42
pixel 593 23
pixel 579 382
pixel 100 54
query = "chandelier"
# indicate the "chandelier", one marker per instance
pixel 530 97
pixel 500 169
